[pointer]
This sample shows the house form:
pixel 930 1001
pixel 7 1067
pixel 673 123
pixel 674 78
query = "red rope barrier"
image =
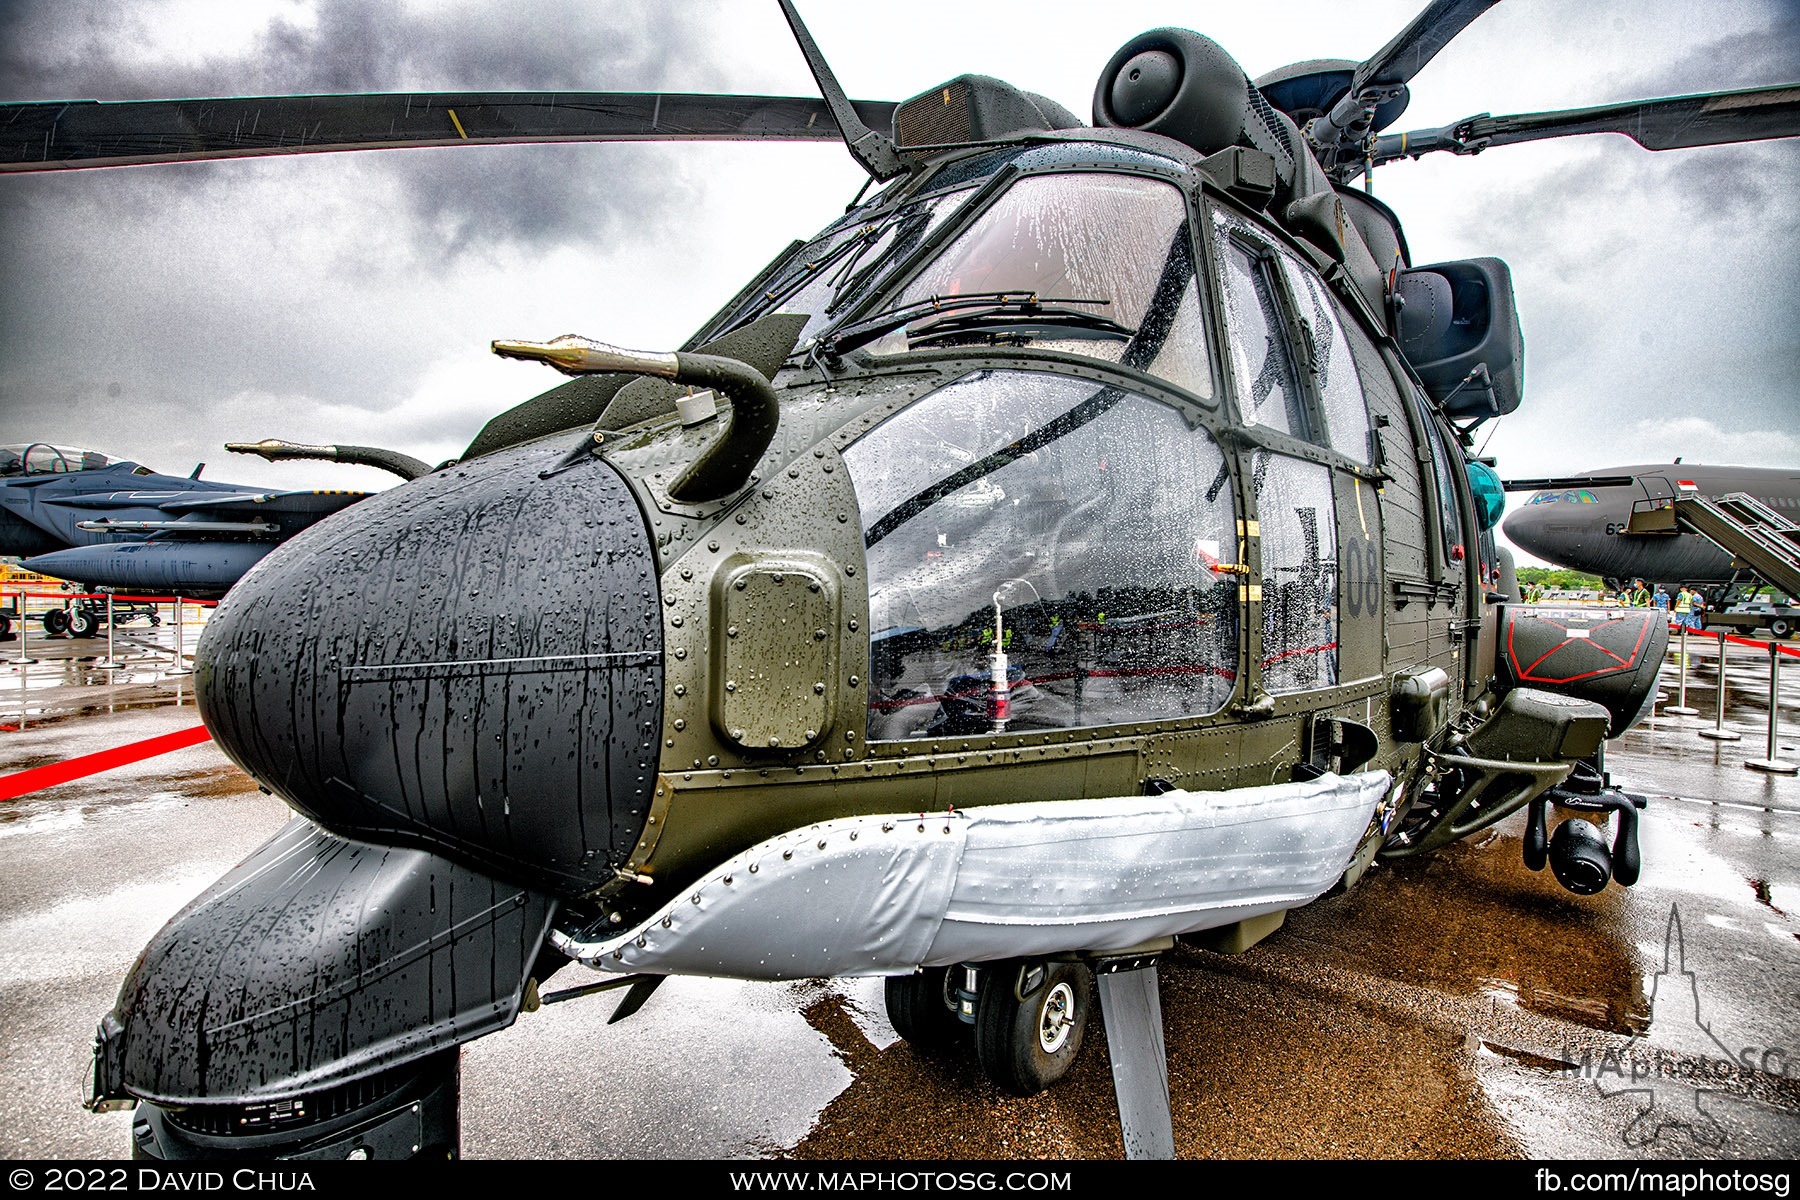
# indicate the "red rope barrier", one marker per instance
pixel 1790 651
pixel 37 778
pixel 118 598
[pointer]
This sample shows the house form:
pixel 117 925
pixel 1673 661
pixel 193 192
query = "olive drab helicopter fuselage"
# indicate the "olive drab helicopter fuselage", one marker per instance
pixel 1073 547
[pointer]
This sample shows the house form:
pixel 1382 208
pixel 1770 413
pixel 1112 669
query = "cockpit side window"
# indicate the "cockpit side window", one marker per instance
pixel 1450 522
pixel 1333 371
pixel 1076 526
pixel 1298 516
pixel 1267 383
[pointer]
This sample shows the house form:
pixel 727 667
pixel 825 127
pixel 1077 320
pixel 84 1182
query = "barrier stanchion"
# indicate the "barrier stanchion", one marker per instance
pixel 1773 764
pixel 25 659
pixel 180 668
pixel 1680 708
pixel 1718 732
pixel 112 660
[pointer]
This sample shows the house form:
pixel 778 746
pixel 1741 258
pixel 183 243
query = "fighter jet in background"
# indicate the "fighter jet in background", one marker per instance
pixel 107 522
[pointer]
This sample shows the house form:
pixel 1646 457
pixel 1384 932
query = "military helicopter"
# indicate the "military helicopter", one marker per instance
pixel 111 523
pixel 1074 547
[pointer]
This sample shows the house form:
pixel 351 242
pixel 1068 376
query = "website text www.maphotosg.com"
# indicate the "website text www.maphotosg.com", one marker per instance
pixel 827 1180
pixel 1671 1181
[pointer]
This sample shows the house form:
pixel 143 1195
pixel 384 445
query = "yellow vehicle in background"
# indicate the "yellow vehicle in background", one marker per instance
pixel 14 578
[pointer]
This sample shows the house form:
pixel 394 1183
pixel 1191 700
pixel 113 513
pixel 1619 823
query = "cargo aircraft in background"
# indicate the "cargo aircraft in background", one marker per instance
pixel 1585 522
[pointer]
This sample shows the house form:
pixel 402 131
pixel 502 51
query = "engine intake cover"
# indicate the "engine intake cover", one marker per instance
pixel 314 963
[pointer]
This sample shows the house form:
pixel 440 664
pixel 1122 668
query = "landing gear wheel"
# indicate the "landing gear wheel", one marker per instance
pixel 410 1112
pixel 921 1008
pixel 5 626
pixel 56 622
pixel 1027 1045
pixel 83 624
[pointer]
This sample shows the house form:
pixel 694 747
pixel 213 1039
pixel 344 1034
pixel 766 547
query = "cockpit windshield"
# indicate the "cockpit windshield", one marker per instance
pixel 41 458
pixel 1113 247
pixel 848 261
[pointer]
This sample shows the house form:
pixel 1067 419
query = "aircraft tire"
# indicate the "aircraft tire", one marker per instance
pixel 83 624
pixel 919 1009
pixel 416 1113
pixel 56 622
pixel 5 626
pixel 1026 1045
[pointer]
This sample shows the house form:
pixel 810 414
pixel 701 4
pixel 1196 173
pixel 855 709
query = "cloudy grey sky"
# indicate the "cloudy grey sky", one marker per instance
pixel 157 312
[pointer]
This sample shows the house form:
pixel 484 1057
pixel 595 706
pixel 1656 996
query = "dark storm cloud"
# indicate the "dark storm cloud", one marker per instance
pixel 542 197
pixel 1750 58
pixel 1736 185
pixel 91 49
pixel 1653 287
pixel 456 198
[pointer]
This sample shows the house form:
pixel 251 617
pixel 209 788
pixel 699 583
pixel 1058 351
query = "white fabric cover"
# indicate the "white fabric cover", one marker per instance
pixel 879 895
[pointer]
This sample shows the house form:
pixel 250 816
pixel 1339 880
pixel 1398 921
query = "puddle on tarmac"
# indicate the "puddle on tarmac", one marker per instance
pixel 1257 1068
pixel 1473 921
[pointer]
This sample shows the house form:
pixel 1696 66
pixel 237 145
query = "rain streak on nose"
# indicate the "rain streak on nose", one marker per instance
pixel 471 661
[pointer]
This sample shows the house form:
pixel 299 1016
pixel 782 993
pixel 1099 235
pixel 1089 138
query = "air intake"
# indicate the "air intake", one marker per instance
pixel 975 108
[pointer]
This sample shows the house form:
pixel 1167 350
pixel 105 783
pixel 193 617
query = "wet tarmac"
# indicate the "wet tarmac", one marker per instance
pixel 1456 1006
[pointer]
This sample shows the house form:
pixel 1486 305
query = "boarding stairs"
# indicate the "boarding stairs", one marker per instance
pixel 1741 525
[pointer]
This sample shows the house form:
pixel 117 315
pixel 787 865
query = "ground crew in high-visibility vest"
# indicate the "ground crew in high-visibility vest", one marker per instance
pixel 1640 596
pixel 1686 610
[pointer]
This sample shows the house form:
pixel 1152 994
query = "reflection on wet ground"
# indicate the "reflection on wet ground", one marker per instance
pixel 1458 1005
pixel 1258 1067
pixel 67 676
pixel 1472 920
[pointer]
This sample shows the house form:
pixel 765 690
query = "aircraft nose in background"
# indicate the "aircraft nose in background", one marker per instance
pixel 1528 529
pixel 471 662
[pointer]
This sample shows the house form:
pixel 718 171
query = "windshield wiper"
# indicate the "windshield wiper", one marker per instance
pixel 1015 325
pixel 907 225
pixel 1026 303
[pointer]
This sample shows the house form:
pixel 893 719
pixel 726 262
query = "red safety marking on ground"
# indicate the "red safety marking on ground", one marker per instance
pixel 37 778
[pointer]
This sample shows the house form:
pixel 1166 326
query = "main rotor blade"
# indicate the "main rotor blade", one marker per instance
pixel 1711 119
pixel 89 133
pixel 1398 61
pixel 1339 136
pixel 872 149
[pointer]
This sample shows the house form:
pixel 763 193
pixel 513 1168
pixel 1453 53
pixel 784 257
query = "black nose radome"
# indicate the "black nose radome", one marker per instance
pixel 471 662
